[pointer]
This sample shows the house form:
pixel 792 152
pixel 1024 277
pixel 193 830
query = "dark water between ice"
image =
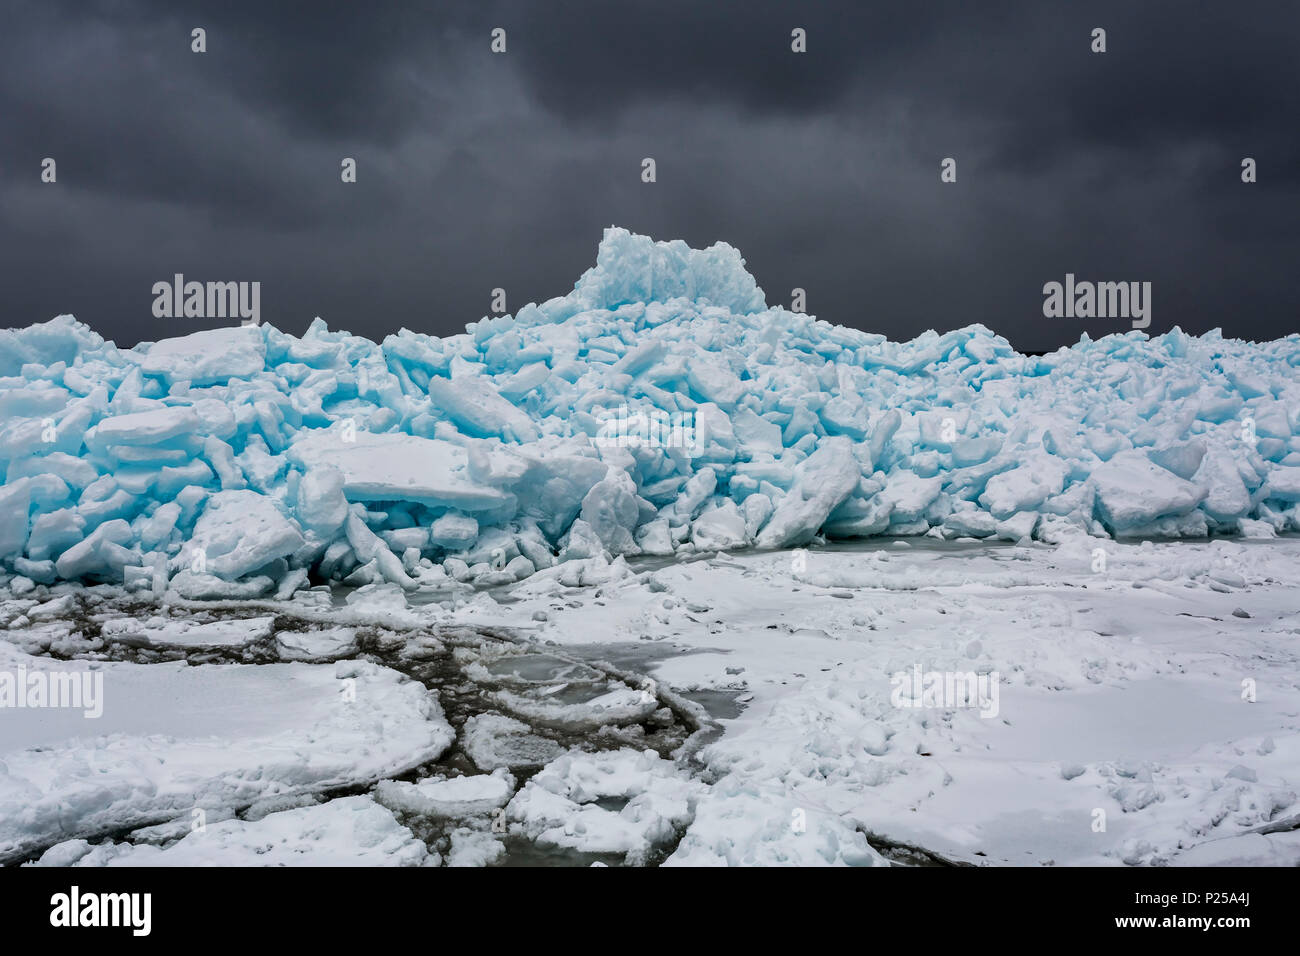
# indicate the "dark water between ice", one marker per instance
pixel 466 668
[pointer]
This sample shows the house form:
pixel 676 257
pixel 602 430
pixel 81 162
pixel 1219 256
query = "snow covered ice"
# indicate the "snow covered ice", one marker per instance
pixel 661 471
pixel 177 736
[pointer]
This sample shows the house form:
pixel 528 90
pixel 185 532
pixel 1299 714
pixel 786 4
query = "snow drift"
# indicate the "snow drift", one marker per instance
pixel 662 406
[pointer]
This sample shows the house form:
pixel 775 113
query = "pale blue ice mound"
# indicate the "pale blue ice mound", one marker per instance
pixel 661 407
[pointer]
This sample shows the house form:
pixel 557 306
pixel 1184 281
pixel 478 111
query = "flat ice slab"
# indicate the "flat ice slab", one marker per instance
pixel 174 737
pixel 398 467
pixel 165 632
pixel 349 831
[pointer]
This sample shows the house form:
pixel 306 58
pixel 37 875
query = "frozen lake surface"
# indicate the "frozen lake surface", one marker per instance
pixel 739 709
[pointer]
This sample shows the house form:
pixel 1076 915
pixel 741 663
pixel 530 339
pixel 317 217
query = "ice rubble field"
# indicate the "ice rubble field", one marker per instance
pixel 482 455
pixel 478 482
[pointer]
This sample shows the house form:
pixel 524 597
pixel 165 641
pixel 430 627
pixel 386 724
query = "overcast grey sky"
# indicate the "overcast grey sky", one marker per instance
pixel 478 170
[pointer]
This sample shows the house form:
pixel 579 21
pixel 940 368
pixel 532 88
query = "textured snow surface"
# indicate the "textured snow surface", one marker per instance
pixel 1159 687
pixel 660 407
pixel 560 806
pixel 351 831
pixel 174 737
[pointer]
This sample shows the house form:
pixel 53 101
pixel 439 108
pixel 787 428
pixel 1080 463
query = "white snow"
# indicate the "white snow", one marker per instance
pixel 558 807
pixel 350 831
pixel 174 737
pixel 1124 687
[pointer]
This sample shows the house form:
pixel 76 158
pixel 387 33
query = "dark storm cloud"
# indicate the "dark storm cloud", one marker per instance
pixel 478 171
